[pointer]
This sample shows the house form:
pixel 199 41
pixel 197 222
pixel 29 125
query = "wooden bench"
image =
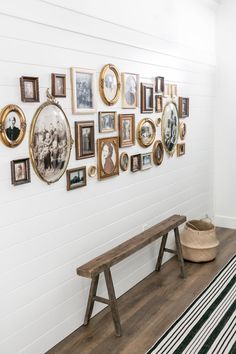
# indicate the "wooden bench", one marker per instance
pixel 103 263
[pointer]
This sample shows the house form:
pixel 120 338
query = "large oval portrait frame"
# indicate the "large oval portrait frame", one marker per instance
pixel 170 148
pixel 64 143
pixel 19 132
pixel 102 77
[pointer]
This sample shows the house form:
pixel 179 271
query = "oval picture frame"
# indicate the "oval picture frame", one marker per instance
pixel 12 135
pixel 104 84
pixel 170 127
pixel 144 136
pixel 158 152
pixel 182 130
pixel 92 171
pixel 124 161
pixel 50 149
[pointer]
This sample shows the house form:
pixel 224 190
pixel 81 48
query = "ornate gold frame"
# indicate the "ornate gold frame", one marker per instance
pixel 101 84
pixel 155 160
pixel 139 137
pixel 130 142
pixel 170 153
pixel 51 101
pixel 3 115
pixel 100 144
pixel 92 171
pixel 123 168
pixel 182 128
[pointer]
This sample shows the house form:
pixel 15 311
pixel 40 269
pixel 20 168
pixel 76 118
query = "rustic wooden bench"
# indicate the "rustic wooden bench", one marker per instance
pixel 104 262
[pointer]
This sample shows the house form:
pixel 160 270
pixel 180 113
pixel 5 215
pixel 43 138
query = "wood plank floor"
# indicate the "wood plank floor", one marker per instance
pixel 149 308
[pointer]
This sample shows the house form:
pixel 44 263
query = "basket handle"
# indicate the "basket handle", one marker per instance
pixel 193 226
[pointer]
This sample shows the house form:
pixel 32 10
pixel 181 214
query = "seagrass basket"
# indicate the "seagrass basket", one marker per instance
pixel 199 242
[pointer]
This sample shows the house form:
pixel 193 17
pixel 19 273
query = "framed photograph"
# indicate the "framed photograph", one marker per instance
pixel 92 171
pixel 20 171
pixel 146 132
pixel 107 122
pixel 158 122
pixel 158 152
pixel 146 98
pixel 183 107
pixel 135 163
pixel 146 161
pixel 126 130
pixel 182 130
pixel 76 178
pixel 29 87
pixel 130 84
pixel 83 91
pixel 124 161
pixel 13 125
pixel 108 157
pixel 58 85
pixel 170 127
pixel 181 149
pixel 158 103
pixel 160 85
pixel 109 84
pixel 167 90
pixel 50 141
pixel 174 92
pixel 84 139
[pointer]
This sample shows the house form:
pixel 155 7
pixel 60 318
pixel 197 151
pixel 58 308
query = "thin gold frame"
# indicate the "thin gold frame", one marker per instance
pixel 182 127
pixel 102 84
pixel 100 144
pixel 122 166
pixel 139 137
pixel 131 142
pixel 156 161
pixel 170 153
pixel 3 116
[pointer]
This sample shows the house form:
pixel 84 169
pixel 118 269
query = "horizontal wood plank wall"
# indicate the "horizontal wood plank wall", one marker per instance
pixel 47 232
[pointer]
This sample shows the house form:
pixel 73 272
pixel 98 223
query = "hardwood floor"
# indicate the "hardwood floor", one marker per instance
pixel 149 308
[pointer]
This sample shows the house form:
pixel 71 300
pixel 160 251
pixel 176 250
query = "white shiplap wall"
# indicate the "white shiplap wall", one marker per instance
pixel 46 232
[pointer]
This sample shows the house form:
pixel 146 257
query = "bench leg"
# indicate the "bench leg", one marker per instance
pixel 179 252
pixel 161 252
pixel 113 301
pixel 90 304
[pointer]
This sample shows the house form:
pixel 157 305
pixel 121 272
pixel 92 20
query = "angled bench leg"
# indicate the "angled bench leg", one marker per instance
pixel 92 294
pixel 113 301
pixel 179 252
pixel 161 252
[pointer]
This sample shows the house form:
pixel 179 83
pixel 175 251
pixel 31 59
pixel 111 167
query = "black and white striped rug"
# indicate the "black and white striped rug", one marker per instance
pixel 209 323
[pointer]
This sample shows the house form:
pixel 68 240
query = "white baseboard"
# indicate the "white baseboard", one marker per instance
pixel 225 221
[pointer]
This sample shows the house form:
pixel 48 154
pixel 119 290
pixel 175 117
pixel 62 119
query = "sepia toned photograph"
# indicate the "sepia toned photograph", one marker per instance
pixel 84 139
pixel 183 107
pixel 158 103
pixel 29 89
pixel 130 84
pixel 109 84
pixel 13 123
pixel 182 130
pixel 58 85
pixel 135 163
pixel 174 92
pixel 124 161
pixel 158 152
pixel 76 178
pixel 159 85
pixel 126 130
pixel 146 98
pixel 146 161
pixel 107 122
pixel 20 171
pixel 108 157
pixel 167 90
pixel 170 127
pixel 146 132
pixel 181 149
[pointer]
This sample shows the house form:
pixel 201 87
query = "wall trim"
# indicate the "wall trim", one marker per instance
pixel 225 221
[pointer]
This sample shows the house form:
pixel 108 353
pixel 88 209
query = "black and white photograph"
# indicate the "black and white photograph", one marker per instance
pixel 146 161
pixel 130 83
pixel 159 103
pixel 135 163
pixel 76 178
pixel 183 107
pixel 146 132
pixel 126 130
pixel 83 90
pixel 124 161
pixel 13 122
pixel 109 84
pixel 20 171
pixel 29 89
pixel 158 152
pixel 84 139
pixel 107 122
pixel 58 85
pixel 159 85
pixel 170 127
pixel 146 98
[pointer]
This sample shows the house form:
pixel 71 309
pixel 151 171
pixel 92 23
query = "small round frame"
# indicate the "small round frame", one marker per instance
pixel 158 152
pixel 182 131
pixel 92 171
pixel 106 84
pixel 12 125
pixel 146 132
pixel 124 161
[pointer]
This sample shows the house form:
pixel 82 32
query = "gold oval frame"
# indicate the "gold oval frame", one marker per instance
pixel 70 141
pixel 3 116
pixel 102 81
pixel 155 160
pixel 170 153
pixel 92 171
pixel 182 127
pixel 139 127
pixel 121 161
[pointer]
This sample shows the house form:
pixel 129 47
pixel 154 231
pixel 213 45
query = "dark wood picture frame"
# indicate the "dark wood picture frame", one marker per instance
pixel 69 185
pixel 35 86
pixel 160 85
pixel 180 149
pixel 17 180
pixel 54 78
pixel 159 104
pixel 144 89
pixel 183 107
pixel 80 151
pixel 133 168
pixel 122 140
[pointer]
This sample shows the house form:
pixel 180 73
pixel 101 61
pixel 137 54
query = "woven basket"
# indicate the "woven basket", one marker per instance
pixel 199 242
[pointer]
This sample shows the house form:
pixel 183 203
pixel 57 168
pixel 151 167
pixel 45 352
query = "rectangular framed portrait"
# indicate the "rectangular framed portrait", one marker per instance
pixel 108 157
pixel 158 103
pixel 107 122
pixel 180 149
pixel 167 90
pixel 174 90
pixel 135 164
pixel 126 130
pixel 83 91
pixel 159 85
pixel 58 82
pixel 76 178
pixel 84 140
pixel 130 84
pixel 20 171
pixel 146 98
pixel 29 87
pixel 146 161
pixel 183 107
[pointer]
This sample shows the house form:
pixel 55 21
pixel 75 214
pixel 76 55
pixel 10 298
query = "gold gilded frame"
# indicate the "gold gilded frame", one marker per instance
pixel 170 153
pixel 3 116
pixel 139 137
pixel 182 130
pixel 102 84
pixel 100 144
pixel 122 166
pixel 155 146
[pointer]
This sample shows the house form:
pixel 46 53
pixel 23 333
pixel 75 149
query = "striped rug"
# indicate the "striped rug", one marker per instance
pixel 209 323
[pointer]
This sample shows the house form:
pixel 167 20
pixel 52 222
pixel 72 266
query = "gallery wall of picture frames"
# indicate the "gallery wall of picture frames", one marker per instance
pixel 50 137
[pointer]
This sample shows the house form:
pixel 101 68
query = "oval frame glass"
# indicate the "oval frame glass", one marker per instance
pixel 3 117
pixel 123 166
pixel 139 132
pixel 103 73
pixel 68 146
pixel 157 144
pixel 170 151
pixel 182 131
